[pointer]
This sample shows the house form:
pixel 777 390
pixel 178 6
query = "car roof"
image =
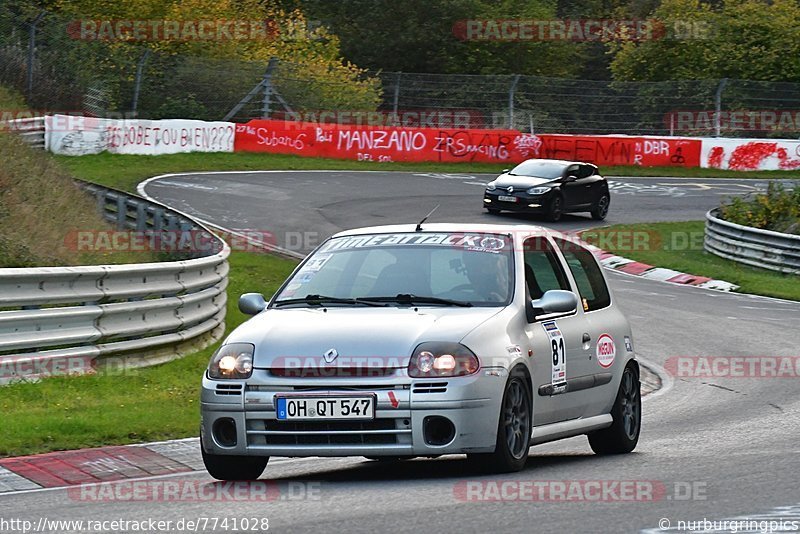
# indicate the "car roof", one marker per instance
pixel 564 162
pixel 452 228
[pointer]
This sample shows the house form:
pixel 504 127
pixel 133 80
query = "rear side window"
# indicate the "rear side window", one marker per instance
pixel 588 276
pixel 543 270
pixel 585 171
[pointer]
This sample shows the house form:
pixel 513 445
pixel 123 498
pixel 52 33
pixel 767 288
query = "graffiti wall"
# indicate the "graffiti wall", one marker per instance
pixel 621 150
pixel 751 154
pixel 371 143
pixel 76 136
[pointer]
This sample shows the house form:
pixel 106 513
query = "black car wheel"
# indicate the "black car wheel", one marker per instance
pixel 224 467
pixel 600 209
pixel 623 434
pixel 555 209
pixel 513 431
pixel 493 211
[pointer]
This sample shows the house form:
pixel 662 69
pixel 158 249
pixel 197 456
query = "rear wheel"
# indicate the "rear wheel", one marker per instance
pixel 513 431
pixel 600 209
pixel 623 434
pixel 224 467
pixel 555 209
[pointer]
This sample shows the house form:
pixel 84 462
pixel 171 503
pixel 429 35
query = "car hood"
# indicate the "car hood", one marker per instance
pixel 522 182
pixel 391 333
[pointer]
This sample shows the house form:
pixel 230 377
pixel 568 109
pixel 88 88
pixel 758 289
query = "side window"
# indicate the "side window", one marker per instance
pixel 585 171
pixel 573 170
pixel 543 270
pixel 588 276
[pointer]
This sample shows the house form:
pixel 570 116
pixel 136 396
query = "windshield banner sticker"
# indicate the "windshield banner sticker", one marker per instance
pixel 477 242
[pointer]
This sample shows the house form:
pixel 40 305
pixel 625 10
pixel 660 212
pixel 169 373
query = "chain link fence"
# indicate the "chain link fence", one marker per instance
pixel 41 57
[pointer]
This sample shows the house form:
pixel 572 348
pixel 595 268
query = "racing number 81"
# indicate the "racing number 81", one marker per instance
pixel 558 351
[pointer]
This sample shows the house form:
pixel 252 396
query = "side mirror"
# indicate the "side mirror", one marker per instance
pixel 506 170
pixel 252 303
pixel 570 178
pixel 555 301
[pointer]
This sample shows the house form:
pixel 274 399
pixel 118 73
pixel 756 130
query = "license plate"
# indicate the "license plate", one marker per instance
pixel 325 407
pixel 502 198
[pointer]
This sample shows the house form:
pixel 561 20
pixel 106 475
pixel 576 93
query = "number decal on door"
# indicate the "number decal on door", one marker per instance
pixel 558 353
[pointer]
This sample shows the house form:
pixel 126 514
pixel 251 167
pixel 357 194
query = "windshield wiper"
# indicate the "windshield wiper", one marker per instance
pixel 408 298
pixel 319 300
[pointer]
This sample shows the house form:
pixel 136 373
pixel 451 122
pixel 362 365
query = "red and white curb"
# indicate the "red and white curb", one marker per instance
pixel 103 464
pixel 635 268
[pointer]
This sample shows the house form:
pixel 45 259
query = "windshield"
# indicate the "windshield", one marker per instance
pixel 539 168
pixel 424 268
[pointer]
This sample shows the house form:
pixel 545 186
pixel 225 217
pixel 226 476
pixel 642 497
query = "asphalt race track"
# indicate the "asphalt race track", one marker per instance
pixel 712 448
pixel 318 204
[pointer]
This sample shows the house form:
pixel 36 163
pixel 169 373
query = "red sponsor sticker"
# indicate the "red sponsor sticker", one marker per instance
pixel 606 351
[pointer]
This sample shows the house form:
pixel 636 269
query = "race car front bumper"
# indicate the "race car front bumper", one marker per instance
pixel 413 417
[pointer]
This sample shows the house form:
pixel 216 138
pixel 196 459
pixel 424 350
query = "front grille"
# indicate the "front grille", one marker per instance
pixel 332 372
pixel 375 432
pixel 430 387
pixel 367 387
pixel 229 389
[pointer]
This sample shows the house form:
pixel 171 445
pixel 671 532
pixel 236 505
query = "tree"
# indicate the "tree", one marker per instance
pixel 744 39
pixel 423 36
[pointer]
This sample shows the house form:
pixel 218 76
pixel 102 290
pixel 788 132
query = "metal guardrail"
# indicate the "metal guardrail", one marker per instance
pixel 752 246
pixel 75 319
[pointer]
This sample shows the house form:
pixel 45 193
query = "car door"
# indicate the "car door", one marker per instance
pixel 603 332
pixel 555 341
pixel 572 190
pixel 585 185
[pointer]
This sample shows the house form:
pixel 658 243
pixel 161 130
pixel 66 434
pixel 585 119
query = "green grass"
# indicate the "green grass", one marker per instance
pixel 11 100
pixel 139 405
pixel 125 171
pixel 679 246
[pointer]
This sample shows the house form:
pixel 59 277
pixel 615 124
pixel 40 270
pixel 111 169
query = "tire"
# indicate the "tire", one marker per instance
pixel 600 209
pixel 493 211
pixel 555 209
pixel 623 434
pixel 513 431
pixel 224 467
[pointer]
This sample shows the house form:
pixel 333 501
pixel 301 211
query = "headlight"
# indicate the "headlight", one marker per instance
pixel 538 190
pixel 490 186
pixel 435 359
pixel 232 361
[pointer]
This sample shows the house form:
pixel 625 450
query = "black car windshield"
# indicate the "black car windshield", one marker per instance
pixel 420 269
pixel 539 169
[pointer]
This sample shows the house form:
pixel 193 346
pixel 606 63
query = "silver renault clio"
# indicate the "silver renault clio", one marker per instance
pixel 393 342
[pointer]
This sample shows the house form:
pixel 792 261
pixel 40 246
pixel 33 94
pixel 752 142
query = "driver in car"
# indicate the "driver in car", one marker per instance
pixel 488 274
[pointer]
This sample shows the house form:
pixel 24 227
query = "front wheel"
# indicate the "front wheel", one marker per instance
pixel 224 467
pixel 555 209
pixel 623 434
pixel 513 431
pixel 601 207
pixel 493 211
